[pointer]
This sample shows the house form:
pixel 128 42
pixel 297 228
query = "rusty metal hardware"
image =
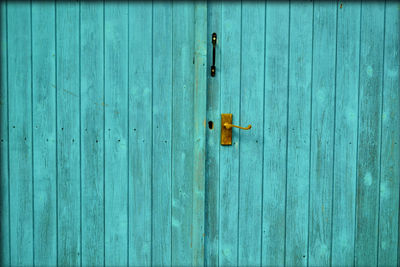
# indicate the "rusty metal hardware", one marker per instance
pixel 226 129
pixel 214 43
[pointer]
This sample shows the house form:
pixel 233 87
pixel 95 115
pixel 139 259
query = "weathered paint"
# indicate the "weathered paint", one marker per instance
pixel 140 149
pixel 319 82
pixel 107 157
pixel 20 148
pixel 199 147
pixel 4 148
pixel 44 129
pixel 96 166
pixel 92 137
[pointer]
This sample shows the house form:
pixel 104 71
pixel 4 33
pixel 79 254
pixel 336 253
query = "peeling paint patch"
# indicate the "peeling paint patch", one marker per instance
pixel 175 223
pixel 226 252
pixel 324 249
pixel 321 95
pixel 384 191
pixel 351 116
pixel 384 116
pixel 71 93
pixel 370 71
pixel 102 104
pixel 368 179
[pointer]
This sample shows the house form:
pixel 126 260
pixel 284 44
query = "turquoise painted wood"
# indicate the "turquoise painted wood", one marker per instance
pixel 68 134
pixel 390 132
pixel 161 241
pixel 110 131
pixel 116 134
pixel 182 116
pixel 315 182
pixel 4 148
pixel 140 148
pixel 251 97
pixel 275 131
pixel 322 133
pixel 92 133
pixel 95 169
pixel 20 128
pixel 212 161
pixel 230 41
pixel 344 173
pixel 44 129
pixel 369 133
pixel 199 146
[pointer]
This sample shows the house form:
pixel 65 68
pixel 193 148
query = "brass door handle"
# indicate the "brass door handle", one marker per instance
pixel 228 126
pixel 226 129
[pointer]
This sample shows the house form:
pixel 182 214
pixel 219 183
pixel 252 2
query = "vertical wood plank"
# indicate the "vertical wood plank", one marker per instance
pixel 140 118
pixel 251 146
pixel 92 132
pixel 390 167
pixel 4 177
pixel 44 133
pixel 199 137
pixel 20 132
pixel 298 161
pixel 213 135
pixel 182 132
pixel 162 133
pixel 68 133
pixel 275 133
pixel 347 82
pixel 116 136
pixel 322 133
pixel 369 134
pixel 229 48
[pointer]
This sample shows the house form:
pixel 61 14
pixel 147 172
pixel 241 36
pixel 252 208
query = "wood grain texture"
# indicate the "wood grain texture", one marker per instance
pixel 275 133
pixel 107 157
pixel 390 154
pixel 162 134
pixel 322 133
pixel 199 132
pixel 20 133
pixel 369 133
pixel 344 186
pixel 182 132
pixel 4 156
pixel 44 133
pixel 68 133
pixel 298 159
pixel 92 132
pixel 251 142
pixel 213 135
pixel 116 136
pixel 230 45
pixel 140 132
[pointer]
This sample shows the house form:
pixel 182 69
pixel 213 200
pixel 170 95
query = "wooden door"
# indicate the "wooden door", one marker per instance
pixel 110 133
pixel 316 179
pixel 102 133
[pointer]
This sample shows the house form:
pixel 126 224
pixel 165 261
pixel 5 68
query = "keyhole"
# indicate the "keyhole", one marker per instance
pixel 210 125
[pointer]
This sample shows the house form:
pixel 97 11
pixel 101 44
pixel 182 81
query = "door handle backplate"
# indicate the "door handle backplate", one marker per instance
pixel 226 129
